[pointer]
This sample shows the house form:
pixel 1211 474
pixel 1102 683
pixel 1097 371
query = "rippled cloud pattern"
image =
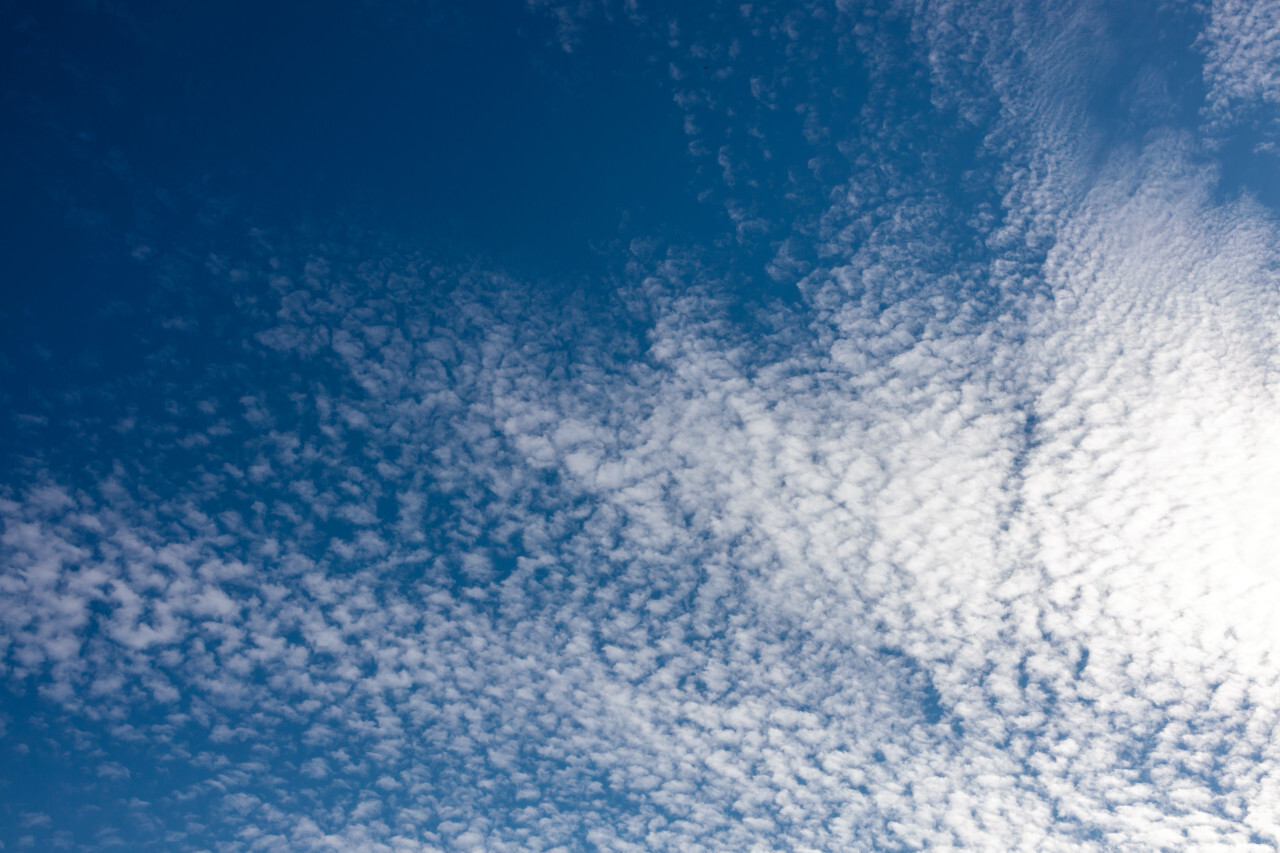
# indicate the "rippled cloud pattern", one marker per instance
pixel 703 427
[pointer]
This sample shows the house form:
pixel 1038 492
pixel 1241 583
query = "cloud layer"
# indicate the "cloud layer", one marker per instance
pixel 970 545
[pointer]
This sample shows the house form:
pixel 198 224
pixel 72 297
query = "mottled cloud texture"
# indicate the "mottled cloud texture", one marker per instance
pixel 1241 43
pixel 971 545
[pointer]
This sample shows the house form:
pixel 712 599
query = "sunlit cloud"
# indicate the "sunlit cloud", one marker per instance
pixel 959 536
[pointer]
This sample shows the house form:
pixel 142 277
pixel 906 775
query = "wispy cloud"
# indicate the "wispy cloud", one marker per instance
pixel 1241 43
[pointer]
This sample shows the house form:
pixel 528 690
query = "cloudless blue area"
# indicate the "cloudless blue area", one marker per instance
pixel 457 126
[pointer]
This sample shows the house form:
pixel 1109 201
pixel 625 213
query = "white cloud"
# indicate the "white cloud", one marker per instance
pixel 1241 44
pixel 971 548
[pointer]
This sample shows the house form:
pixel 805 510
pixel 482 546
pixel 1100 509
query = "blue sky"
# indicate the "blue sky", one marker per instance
pixel 636 426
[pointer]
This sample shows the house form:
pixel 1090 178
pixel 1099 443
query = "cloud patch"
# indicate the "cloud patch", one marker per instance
pixel 966 545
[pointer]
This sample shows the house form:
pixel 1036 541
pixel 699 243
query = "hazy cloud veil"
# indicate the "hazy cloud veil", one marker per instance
pixel 928 503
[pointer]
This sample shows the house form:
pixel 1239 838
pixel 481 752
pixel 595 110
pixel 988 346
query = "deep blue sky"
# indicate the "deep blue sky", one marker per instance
pixel 624 425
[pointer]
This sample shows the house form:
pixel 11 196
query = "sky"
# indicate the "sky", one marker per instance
pixel 629 425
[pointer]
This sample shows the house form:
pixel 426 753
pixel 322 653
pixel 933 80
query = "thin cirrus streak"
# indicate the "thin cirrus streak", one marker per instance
pixel 969 545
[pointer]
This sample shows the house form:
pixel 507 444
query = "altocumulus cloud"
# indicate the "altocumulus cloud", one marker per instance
pixel 971 544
